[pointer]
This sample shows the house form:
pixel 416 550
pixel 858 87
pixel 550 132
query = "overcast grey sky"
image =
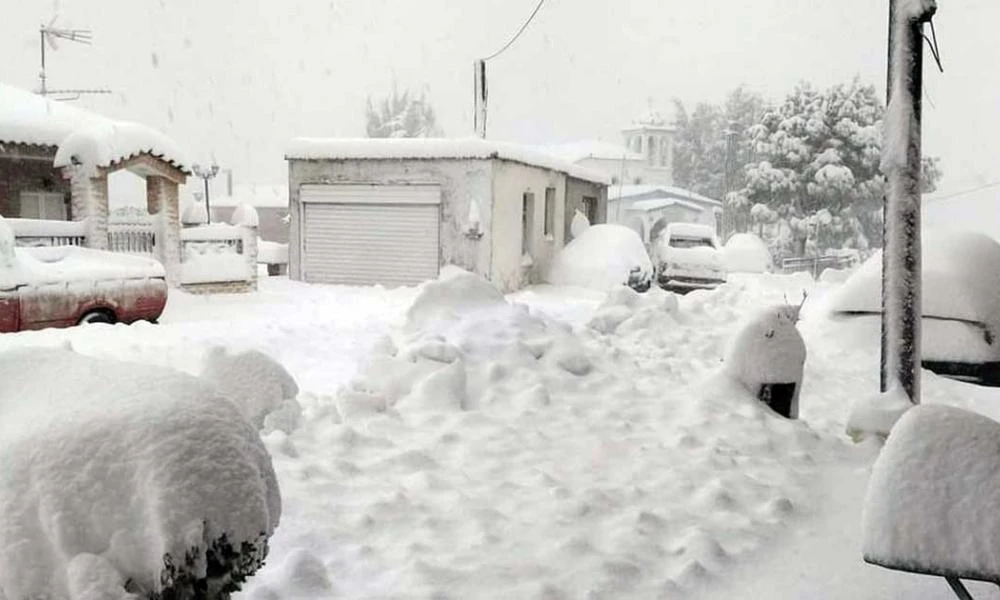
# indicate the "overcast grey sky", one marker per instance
pixel 237 78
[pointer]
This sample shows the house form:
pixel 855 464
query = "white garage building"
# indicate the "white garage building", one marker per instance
pixel 394 211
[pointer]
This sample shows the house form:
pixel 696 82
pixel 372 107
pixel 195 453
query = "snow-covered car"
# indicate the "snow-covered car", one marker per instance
pixel 961 304
pixel 601 257
pixel 63 286
pixel 689 257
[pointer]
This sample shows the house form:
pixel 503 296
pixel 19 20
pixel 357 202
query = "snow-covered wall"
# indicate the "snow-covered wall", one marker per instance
pixel 511 181
pixel 462 181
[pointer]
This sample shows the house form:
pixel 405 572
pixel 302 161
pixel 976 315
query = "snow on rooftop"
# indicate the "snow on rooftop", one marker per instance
pixel 658 203
pixel 577 151
pixel 430 148
pixel 629 191
pixel 89 138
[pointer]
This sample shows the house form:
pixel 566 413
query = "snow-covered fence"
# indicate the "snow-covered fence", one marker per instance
pixel 42 232
pixel 219 257
pixel 131 237
pixel 815 264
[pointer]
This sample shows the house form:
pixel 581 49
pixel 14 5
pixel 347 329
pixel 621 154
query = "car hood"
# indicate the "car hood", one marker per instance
pixel 63 264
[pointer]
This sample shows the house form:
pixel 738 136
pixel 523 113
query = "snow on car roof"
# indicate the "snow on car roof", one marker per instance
pixel 89 138
pixel 430 148
pixel 628 191
pixel 691 230
pixel 63 264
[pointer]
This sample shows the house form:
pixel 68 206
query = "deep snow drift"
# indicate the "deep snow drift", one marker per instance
pixel 117 471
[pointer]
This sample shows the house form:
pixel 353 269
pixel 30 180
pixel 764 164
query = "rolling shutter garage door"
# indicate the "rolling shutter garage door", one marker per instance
pixel 370 234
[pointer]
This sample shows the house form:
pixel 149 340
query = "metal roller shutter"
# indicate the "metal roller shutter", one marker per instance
pixel 366 235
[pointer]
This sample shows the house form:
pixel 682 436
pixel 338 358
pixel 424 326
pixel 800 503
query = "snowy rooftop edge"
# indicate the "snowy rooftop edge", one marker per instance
pixel 428 148
pixel 627 191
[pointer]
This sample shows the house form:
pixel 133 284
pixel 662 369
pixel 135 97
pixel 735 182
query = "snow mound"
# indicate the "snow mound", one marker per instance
pixel 454 293
pixel 961 276
pixel 256 382
pixel 194 213
pixel 768 348
pixel 245 215
pixel 876 415
pixel 579 224
pixel 139 464
pixel 625 310
pixel 747 253
pixel 934 495
pixel 601 257
pixel 101 144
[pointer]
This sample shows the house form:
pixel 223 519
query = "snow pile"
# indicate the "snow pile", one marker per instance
pixel 245 215
pixel 47 228
pixel 934 495
pixel 579 224
pixel 103 144
pixel 272 253
pixel 768 348
pixel 259 384
pixel 601 257
pixel 875 416
pixel 29 118
pixel 117 472
pixel 194 213
pixel 747 253
pixel 625 310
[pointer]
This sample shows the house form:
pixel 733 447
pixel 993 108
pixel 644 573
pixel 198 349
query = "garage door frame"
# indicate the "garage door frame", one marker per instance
pixel 383 194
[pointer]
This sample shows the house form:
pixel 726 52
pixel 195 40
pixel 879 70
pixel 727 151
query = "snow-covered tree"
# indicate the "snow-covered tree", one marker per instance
pixel 400 115
pixel 817 167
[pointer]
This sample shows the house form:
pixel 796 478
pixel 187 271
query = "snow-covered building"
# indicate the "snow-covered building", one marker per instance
pixel 55 160
pixel 394 211
pixel 649 208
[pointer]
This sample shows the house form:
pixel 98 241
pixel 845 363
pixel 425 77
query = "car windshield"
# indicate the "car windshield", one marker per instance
pixel 690 242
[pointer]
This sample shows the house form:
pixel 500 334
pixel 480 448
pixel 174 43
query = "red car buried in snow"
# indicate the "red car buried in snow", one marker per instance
pixel 63 286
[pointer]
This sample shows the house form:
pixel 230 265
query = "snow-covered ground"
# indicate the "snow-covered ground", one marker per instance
pixel 558 445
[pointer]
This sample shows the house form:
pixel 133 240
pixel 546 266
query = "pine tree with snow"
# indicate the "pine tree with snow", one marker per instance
pixel 401 115
pixel 817 168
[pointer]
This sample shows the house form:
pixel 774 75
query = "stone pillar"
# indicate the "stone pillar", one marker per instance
pixel 250 252
pixel 89 202
pixel 162 202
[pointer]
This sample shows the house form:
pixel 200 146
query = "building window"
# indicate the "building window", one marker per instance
pixel 527 222
pixel 43 205
pixel 650 150
pixel 590 208
pixel 550 210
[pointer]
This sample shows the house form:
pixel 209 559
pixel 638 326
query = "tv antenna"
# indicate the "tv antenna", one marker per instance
pixel 48 34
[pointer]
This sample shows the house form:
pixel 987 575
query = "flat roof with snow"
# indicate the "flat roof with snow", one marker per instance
pixel 434 148
pixel 79 135
pixel 577 151
pixel 657 191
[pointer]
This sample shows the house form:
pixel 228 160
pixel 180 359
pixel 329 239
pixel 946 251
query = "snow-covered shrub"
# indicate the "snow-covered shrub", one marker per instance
pixel 120 474
pixel 245 215
pixel 747 253
pixel 255 381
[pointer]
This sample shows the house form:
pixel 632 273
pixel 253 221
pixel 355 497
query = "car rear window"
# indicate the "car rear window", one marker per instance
pixel 690 242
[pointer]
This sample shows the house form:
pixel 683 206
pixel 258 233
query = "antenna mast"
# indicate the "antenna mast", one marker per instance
pixel 47 36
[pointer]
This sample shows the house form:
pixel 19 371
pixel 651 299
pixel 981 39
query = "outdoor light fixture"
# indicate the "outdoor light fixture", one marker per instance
pixel 206 173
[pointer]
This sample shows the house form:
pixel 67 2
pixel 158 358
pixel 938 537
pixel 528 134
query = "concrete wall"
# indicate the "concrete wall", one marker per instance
pixel 461 181
pixel 272 224
pixel 27 168
pixel 510 182
pixel 576 189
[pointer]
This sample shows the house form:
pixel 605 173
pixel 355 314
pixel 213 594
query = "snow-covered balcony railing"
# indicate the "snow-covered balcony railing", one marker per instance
pixel 131 237
pixel 42 232
pixel 219 257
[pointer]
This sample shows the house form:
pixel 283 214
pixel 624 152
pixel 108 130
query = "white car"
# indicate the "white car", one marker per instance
pixel 688 257
pixel 960 298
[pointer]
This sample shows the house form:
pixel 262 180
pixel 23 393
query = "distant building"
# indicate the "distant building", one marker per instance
pixel 649 208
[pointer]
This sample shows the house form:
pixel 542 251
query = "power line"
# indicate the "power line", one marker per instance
pixel 519 32
pixel 964 192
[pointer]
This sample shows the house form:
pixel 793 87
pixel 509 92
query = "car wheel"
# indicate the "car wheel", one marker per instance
pixel 97 316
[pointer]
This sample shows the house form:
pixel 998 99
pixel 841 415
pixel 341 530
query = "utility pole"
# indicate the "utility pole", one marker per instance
pixel 728 215
pixel 901 264
pixel 480 101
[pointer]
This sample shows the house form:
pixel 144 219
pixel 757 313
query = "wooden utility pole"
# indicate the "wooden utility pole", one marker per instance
pixel 901 265
pixel 479 88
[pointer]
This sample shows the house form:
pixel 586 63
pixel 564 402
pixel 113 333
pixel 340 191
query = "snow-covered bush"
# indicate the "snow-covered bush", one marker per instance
pixel 603 257
pixel 255 381
pixel 123 480
pixel 245 215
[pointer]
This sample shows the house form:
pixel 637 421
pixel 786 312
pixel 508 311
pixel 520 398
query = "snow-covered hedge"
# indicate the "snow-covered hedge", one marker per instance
pixel 123 480
pixel 747 253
